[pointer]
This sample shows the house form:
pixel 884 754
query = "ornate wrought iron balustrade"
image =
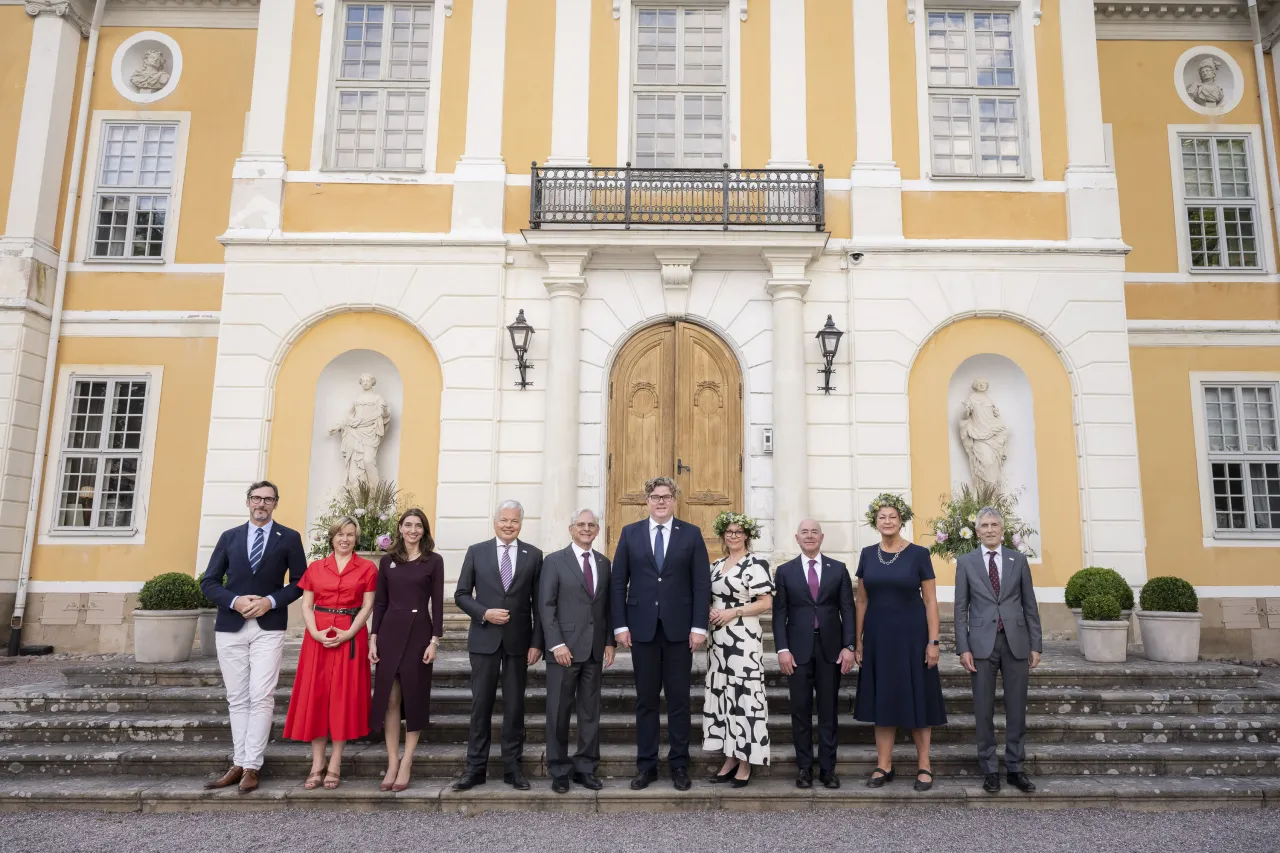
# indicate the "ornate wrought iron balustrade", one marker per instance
pixel 626 197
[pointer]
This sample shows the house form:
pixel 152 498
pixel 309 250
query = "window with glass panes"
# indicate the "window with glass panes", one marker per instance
pixel 101 453
pixel 1244 456
pixel 134 184
pixel 1221 203
pixel 679 87
pixel 381 84
pixel 975 95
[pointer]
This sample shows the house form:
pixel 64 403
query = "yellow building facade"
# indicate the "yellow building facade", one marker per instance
pixel 220 213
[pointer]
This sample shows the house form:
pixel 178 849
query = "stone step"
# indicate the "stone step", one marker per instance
pixel 60 699
pixel 186 794
pixel 620 728
pixel 368 760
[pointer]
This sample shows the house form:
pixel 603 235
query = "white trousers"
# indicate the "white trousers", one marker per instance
pixel 250 662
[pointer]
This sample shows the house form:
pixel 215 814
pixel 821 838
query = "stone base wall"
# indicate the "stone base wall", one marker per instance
pixel 91 622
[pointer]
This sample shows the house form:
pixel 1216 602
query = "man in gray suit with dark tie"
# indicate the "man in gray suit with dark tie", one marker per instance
pixel 997 629
pixel 574 605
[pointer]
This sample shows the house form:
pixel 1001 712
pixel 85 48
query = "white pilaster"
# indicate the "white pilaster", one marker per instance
pixel 1093 200
pixel 479 180
pixel 788 132
pixel 257 186
pixel 570 93
pixel 565 283
pixel 787 285
pixel 875 199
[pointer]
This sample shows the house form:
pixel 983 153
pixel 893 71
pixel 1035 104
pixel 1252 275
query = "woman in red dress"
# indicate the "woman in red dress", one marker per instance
pixel 331 691
pixel 408 619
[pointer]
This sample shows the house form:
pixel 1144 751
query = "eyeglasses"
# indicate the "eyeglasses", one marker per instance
pixel 255 500
pixel 662 498
pixel 729 533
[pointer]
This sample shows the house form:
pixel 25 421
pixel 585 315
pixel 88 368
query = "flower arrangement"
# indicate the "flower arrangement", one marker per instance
pixel 955 532
pixel 376 508
pixel 884 500
pixel 746 522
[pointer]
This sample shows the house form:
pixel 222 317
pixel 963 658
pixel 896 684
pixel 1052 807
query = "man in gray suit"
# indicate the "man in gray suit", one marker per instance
pixel 997 629
pixel 574 604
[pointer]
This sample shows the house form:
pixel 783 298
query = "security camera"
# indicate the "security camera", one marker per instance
pixel 855 257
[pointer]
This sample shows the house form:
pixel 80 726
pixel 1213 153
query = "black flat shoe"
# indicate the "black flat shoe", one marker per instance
pixel 740 783
pixel 1022 783
pixel 643 780
pixel 560 785
pixel 680 779
pixel 588 781
pixel 804 779
pixel 885 777
pixel 721 778
pixel 991 783
pixel 923 786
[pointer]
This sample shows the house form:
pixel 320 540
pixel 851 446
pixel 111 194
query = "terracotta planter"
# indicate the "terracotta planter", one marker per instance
pixel 204 630
pixel 1173 637
pixel 164 636
pixel 1104 642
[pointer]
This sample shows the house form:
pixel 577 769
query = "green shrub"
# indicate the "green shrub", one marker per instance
pixel 1094 579
pixel 205 602
pixel 171 591
pixel 1101 607
pixel 1170 595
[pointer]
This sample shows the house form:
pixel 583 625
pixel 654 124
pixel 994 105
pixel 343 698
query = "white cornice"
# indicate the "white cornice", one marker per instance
pixel 200 14
pixel 1199 333
pixel 1204 20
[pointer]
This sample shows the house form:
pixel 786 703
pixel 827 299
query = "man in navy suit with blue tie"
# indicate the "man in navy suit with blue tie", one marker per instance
pixel 246 579
pixel 661 598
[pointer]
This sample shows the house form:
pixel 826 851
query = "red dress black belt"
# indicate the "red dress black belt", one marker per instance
pixel 343 611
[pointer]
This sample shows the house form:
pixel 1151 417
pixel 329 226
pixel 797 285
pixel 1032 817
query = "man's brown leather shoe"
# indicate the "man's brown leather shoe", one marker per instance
pixel 249 781
pixel 227 779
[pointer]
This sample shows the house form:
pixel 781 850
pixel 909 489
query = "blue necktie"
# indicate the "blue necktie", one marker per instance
pixel 659 551
pixel 255 556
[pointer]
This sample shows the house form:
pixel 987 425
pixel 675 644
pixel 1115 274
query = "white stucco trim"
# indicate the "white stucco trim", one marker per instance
pixel 1197 333
pixel 46 587
pixel 140 324
pixel 119 72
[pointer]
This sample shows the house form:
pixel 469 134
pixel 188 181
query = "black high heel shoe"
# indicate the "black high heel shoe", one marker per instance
pixel 741 783
pixel 721 778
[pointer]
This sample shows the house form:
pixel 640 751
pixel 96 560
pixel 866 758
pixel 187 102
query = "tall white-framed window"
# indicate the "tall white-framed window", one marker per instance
pixel 977 110
pixel 1238 442
pixel 680 86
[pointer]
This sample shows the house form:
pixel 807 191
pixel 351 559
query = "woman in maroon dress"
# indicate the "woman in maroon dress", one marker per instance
pixel 331 691
pixel 403 645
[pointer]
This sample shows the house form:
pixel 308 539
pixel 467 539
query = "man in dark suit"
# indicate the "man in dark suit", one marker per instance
pixel 498 589
pixel 574 603
pixel 998 630
pixel 246 579
pixel 661 600
pixel 813 628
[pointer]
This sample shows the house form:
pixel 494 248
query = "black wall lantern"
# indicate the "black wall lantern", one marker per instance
pixel 520 332
pixel 829 339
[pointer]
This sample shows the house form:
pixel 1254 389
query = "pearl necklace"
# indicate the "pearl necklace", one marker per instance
pixel 880 554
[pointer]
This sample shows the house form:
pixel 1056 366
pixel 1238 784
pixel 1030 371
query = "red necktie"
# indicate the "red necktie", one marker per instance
pixel 813 590
pixel 994 571
pixel 586 573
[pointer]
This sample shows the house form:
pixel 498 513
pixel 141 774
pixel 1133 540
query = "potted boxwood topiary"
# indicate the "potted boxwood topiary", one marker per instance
pixel 1170 620
pixel 1096 579
pixel 164 625
pixel 205 624
pixel 1104 635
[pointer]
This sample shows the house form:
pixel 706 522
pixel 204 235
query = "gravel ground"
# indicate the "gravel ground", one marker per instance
pixel 935 830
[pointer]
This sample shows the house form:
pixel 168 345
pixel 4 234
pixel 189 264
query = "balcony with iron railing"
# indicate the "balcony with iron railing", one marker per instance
pixel 628 197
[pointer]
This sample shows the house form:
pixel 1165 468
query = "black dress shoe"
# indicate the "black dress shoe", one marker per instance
pixel 516 780
pixel 740 783
pixel 804 779
pixel 1022 782
pixel 588 781
pixel 680 779
pixel 466 783
pixel 991 783
pixel 829 779
pixel 880 778
pixel 560 785
pixel 643 780
pixel 721 778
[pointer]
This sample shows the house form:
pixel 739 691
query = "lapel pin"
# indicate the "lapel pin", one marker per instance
pixel 393 565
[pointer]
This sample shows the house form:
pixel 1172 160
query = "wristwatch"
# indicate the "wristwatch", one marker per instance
pixel 852 648
pixel 935 642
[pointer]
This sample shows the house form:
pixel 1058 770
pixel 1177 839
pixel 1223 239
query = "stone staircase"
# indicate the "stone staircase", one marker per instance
pixel 132 737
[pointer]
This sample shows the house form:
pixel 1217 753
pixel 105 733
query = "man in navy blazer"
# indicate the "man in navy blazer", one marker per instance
pixel 246 579
pixel 661 598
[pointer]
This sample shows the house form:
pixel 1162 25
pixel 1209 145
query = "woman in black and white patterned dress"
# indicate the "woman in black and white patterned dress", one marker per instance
pixel 735 712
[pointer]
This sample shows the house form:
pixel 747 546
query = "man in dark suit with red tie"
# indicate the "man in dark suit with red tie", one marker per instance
pixel 661 600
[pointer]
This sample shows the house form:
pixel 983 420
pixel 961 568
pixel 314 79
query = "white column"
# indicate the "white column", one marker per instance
pixel 787 286
pixel 570 93
pixel 479 180
pixel 1093 200
pixel 788 130
pixel 565 284
pixel 876 197
pixel 257 186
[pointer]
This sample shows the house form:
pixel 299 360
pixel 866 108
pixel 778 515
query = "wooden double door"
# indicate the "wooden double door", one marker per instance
pixel 675 409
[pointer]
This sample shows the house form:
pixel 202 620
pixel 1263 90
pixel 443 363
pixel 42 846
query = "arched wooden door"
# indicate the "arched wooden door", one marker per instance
pixel 675 409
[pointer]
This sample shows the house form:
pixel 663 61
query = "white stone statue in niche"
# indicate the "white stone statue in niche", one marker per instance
pixel 151 76
pixel 985 437
pixel 362 431
pixel 1207 93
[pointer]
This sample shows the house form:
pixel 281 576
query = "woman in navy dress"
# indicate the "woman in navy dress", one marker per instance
pixel 897 642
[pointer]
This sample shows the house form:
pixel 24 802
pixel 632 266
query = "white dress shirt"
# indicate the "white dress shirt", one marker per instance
pixel 266 540
pixel 804 571
pixel 986 558
pixel 513 551
pixel 666 546
pixel 595 574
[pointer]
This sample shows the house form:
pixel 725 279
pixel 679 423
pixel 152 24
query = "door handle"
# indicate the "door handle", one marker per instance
pixel 681 467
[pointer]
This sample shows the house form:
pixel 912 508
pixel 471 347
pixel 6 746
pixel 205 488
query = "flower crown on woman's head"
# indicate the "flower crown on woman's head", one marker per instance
pixel 888 500
pixel 746 522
